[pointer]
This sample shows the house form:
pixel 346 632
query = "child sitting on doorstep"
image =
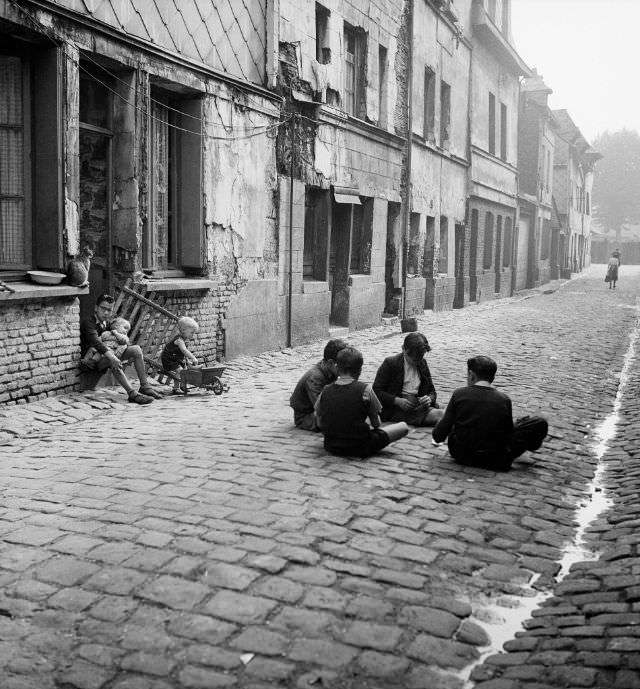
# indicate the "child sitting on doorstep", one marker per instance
pixel 343 407
pixel 175 355
pixel 116 339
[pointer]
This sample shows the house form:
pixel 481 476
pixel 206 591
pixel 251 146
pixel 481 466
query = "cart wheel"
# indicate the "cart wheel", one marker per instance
pixel 217 386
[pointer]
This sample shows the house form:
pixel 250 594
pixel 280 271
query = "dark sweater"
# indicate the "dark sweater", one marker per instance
pixel 481 418
pixel 90 331
pixel 343 413
pixel 390 378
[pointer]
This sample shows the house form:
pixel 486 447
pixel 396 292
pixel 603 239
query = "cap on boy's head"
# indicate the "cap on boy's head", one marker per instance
pixel 416 343
pixel 349 361
pixel 104 299
pixel 332 348
pixel 483 366
pixel 186 322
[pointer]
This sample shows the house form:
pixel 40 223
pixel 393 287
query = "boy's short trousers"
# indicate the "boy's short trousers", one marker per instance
pixel 170 365
pixel 376 440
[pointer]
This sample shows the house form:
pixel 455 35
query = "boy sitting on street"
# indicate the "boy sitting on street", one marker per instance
pixel 311 385
pixel 343 407
pixel 479 423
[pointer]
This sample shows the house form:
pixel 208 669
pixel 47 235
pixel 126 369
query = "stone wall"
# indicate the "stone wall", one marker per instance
pixel 440 292
pixel 39 348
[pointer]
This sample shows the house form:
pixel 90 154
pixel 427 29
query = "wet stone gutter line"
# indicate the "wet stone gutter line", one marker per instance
pixel 587 634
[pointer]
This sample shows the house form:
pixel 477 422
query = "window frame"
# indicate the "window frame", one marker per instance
pixel 492 124
pixel 429 105
pixel 354 98
pixel 445 113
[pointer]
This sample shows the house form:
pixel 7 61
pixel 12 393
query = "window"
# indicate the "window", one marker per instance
pixel 429 105
pixel 30 158
pixel 445 113
pixel 382 87
pixel 492 124
pixel 491 9
pixel 505 17
pixel 488 241
pixel 355 50
pixel 503 131
pixel 323 52
pixel 361 235
pixel 508 245
pixel 498 246
pixel 588 206
pixel 548 182
pixel 15 229
pixel 174 233
pixel 429 245
pixel 414 253
pixel 316 234
pixel 443 256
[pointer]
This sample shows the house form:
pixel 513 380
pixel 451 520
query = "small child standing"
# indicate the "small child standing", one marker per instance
pixel 343 407
pixel 175 355
pixel 116 339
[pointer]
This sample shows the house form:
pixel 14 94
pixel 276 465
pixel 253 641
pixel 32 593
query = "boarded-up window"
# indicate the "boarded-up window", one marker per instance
pixel 14 230
pixel 361 237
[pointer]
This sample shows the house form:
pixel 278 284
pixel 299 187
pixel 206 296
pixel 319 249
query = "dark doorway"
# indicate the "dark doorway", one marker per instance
pixel 458 300
pixel 497 262
pixel 340 262
pixel 473 257
pixel 392 263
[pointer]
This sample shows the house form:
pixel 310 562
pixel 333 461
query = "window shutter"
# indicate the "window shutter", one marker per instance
pixel 47 158
pixel 192 249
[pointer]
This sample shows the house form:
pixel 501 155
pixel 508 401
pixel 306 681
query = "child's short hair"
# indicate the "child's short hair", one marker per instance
pixel 349 360
pixel 186 322
pixel 332 348
pixel 483 366
pixel 120 322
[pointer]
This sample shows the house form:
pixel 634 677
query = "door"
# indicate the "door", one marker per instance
pixel 458 301
pixel 522 261
pixel 340 262
pixel 497 259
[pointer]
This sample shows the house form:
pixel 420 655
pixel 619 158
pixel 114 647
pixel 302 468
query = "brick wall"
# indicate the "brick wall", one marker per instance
pixel 39 349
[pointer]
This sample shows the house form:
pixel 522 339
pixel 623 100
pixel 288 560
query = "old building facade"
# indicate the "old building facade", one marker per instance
pixel 280 171
pixel 572 184
pixel 536 147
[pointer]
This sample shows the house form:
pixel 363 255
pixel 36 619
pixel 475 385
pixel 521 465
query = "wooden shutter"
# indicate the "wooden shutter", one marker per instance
pixel 190 196
pixel 47 157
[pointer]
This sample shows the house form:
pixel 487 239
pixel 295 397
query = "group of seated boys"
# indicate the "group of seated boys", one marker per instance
pixel 477 422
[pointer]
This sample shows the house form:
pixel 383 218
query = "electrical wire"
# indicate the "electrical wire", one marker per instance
pixel 56 40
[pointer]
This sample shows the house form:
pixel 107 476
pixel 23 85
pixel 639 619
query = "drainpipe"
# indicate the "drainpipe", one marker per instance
pixel 407 190
pixel 290 288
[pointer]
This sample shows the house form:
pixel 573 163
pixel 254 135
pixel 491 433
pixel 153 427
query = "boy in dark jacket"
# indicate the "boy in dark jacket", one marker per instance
pixel 404 386
pixel 309 387
pixel 343 408
pixel 479 423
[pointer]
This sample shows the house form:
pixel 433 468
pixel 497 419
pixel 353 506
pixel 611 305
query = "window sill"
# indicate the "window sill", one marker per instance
pixel 30 290
pixel 179 285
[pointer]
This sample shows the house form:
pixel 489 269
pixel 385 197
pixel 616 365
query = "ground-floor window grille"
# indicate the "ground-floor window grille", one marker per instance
pixel 14 229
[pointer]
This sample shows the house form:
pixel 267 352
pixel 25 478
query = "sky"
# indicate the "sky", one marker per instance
pixel 588 52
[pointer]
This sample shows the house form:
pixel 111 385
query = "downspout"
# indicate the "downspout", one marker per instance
pixel 290 286
pixel 407 189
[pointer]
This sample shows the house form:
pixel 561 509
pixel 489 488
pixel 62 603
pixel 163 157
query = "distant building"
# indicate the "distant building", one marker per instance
pixel 493 185
pixel 536 146
pixel 572 183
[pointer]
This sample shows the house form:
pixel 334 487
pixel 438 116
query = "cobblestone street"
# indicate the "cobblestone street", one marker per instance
pixel 203 542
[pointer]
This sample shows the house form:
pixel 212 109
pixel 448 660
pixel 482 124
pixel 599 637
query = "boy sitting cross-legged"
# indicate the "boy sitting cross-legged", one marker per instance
pixel 343 407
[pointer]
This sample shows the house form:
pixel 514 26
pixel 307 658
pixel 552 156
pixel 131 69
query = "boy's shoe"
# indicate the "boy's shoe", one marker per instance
pixel 138 398
pixel 150 392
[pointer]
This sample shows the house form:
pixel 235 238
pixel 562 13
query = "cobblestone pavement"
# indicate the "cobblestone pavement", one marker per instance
pixel 203 542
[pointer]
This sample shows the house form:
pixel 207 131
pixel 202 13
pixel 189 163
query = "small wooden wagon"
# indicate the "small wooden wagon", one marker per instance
pixel 207 377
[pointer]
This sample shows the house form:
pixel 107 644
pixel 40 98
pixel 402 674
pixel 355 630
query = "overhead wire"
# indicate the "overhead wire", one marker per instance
pixel 56 40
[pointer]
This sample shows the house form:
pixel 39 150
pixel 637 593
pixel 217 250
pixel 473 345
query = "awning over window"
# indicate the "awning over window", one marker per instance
pixel 347 195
